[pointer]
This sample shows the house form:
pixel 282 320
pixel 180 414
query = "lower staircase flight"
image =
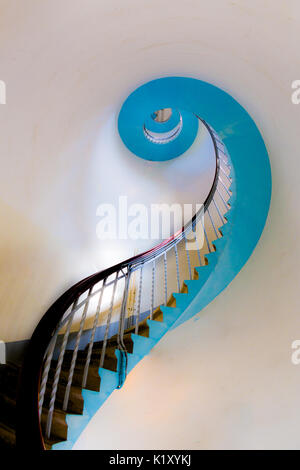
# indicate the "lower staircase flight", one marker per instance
pixel 89 340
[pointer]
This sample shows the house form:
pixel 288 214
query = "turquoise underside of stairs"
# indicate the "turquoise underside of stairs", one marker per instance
pixel 251 194
pixel 109 380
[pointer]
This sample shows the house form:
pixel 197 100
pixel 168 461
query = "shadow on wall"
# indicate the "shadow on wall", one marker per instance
pixel 32 268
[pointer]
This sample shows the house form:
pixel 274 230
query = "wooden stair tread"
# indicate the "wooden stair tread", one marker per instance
pixel 9 376
pixel 75 403
pixel 93 378
pixel 7 437
pixel 8 412
pixel 59 429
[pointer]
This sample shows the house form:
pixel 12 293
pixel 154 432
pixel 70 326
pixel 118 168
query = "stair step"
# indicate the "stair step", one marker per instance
pixel 143 329
pixel 170 314
pixel 182 300
pixel 112 343
pixel 157 329
pixel 220 243
pixel 193 286
pixel 7 410
pixel 142 345
pixel 93 378
pixel 226 229
pixel 205 271
pixel 75 403
pixel 93 400
pixel 7 437
pixel 109 380
pixel 132 360
pixel 59 429
pixel 110 360
pixel 49 443
pixel 76 425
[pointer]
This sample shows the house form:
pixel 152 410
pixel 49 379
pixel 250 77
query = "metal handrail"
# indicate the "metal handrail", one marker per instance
pixel 41 348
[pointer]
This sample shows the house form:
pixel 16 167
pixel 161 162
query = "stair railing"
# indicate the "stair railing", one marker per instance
pixel 94 311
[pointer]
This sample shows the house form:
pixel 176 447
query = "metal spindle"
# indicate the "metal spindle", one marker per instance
pixel 223 158
pixel 58 370
pixel 188 255
pixel 217 233
pixel 223 184
pixel 219 212
pixel 225 174
pixel 121 346
pixel 166 278
pixel 139 301
pixel 177 267
pixel 108 321
pixel 123 310
pixel 206 237
pixel 75 352
pixel 91 342
pixel 217 139
pixel 197 242
pixel 152 289
pixel 120 337
pixel 47 365
pixel 223 200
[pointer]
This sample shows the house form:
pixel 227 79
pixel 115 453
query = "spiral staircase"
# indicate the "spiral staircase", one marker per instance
pixel 90 339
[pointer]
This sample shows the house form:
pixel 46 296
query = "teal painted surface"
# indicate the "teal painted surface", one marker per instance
pixel 166 126
pixel 251 194
pixel 136 112
pixel 251 188
pixel 110 380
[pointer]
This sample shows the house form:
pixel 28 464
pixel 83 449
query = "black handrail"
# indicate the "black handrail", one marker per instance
pixel 28 430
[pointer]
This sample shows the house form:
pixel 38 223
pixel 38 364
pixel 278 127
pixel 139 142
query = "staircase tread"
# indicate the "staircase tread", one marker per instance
pixel 7 437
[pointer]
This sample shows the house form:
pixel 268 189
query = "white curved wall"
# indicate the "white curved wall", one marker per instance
pixel 227 380
pixel 62 156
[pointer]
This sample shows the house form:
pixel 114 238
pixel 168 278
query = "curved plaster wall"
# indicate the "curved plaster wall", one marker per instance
pixel 63 157
pixel 238 355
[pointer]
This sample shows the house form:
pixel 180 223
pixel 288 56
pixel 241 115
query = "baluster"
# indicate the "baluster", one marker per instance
pixel 152 289
pixel 224 172
pixel 134 308
pixel 47 365
pixel 206 237
pixel 91 342
pixel 218 139
pixel 217 233
pixel 177 267
pixel 197 242
pixel 123 310
pixel 188 255
pixel 225 159
pixel 58 370
pixel 219 212
pixel 139 301
pixel 222 151
pixel 120 336
pixel 222 182
pixel 75 352
pixel 166 277
pixel 223 200
pixel 108 321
